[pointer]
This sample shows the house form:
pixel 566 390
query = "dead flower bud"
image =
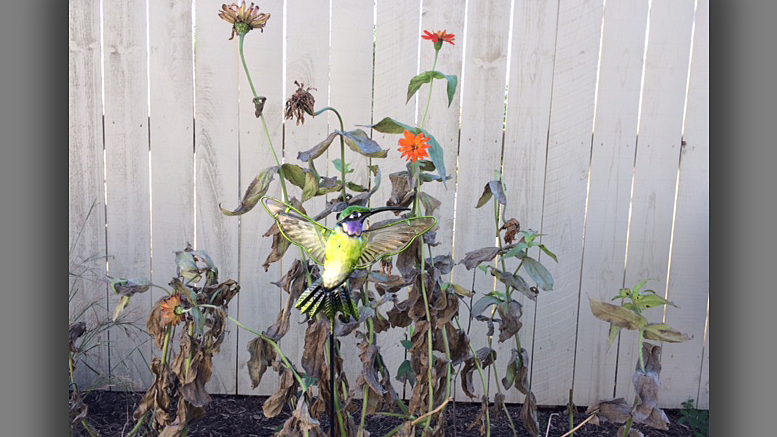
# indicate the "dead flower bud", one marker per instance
pixel 512 227
pixel 299 103
pixel 243 19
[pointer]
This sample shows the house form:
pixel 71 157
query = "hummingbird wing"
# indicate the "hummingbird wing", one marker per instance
pixel 392 238
pixel 298 228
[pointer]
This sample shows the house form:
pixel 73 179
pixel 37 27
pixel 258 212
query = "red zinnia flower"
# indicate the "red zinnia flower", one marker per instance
pixel 438 37
pixel 413 147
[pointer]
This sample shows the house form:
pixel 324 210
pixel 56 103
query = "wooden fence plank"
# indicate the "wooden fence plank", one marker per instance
pixel 689 270
pixel 216 147
pixel 655 172
pixel 703 398
pixel 260 300
pixel 307 61
pixel 443 119
pixel 171 101
pixel 569 144
pixel 612 164
pixel 86 218
pixel 350 88
pixel 396 57
pixel 533 44
pixel 480 153
pixel 127 183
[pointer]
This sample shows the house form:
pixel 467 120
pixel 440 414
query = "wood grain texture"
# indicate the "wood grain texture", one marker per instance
pixel 682 364
pixel 655 171
pixel 127 182
pixel 86 212
pixel 171 101
pixel 260 300
pixel 480 153
pixel 612 164
pixel 533 44
pixel 396 58
pixel 350 87
pixel 569 145
pixel 216 163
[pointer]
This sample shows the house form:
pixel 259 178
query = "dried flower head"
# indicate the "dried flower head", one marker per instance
pixel 172 310
pixel 243 19
pixel 299 103
pixel 413 147
pixel 438 37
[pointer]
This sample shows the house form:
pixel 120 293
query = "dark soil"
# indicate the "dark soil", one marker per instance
pixel 110 413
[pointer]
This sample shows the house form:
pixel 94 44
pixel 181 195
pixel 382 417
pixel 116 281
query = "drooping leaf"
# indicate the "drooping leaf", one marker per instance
pixel 420 79
pixel 453 82
pixel 475 257
pixel 615 411
pixel 529 414
pixel 437 155
pixel 310 189
pixel 187 267
pixel 516 282
pixel 484 302
pixel 429 203
pixel 390 126
pixel 256 189
pixel 294 174
pixel 358 141
pixel 510 314
pixel 614 331
pixel 647 384
pixel 538 273
pixel 338 163
pixel 485 356
pixel 318 149
pixel 262 354
pixel 401 190
pixel 492 188
pixel 665 333
pixel 405 373
pixel 288 389
pixel 616 315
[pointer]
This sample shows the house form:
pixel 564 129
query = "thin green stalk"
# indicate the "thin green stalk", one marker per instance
pixel 138 424
pixel 370 340
pixel 482 380
pixel 89 428
pixel 496 379
pixel 336 407
pixel 166 344
pixel 429 96
pixel 277 348
pixel 342 144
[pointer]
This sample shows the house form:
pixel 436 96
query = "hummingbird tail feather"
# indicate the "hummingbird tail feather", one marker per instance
pixel 311 298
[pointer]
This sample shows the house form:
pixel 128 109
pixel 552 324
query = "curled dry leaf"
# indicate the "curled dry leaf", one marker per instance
pixel 529 414
pixel 480 418
pixel 75 330
pixel 475 257
pixel 256 189
pixel 288 389
pixel 618 316
pixel 665 333
pixel 492 188
pixel 401 189
pixel 262 355
pixel 633 432
pixel 485 356
pixel 194 375
pixel 615 411
pixel 301 423
pixel 511 228
pixel 647 385
pixel 517 372
pixel 510 313
pixel 313 358
pixel 157 399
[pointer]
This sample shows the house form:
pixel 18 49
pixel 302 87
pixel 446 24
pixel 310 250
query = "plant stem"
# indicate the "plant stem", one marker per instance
pixel 370 340
pixel 429 96
pixel 166 344
pixel 342 144
pixel 89 428
pixel 482 380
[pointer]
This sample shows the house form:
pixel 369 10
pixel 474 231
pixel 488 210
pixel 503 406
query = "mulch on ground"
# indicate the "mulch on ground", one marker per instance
pixel 110 413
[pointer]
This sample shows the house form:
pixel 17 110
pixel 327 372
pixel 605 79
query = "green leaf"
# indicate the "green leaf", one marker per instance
pixel 310 188
pixel 391 126
pixel 548 252
pixel 186 266
pixel 516 251
pixel 492 188
pixel 356 187
pixel 437 155
pixel 616 315
pixel 294 174
pixel 317 150
pixel 646 301
pixel 407 344
pixel 484 302
pixel 515 281
pixel 538 273
pixel 339 166
pixel 458 289
pixel 417 81
pixel 358 141
pixel 664 332
pixel 614 331
pixel 405 373
pixel 256 189
pixel 453 81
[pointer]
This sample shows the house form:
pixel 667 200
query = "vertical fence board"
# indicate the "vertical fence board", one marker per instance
pixel 216 147
pixel 612 163
pixel 442 120
pixel 396 56
pixel 569 144
pixel 127 186
pixel 172 139
pixel 703 398
pixel 86 218
pixel 259 298
pixel 480 153
pixel 351 95
pixel 655 172
pixel 533 43
pixel 307 61
pixel 689 274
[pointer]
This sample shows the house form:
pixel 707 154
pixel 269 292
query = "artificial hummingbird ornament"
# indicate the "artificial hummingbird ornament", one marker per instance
pixel 347 247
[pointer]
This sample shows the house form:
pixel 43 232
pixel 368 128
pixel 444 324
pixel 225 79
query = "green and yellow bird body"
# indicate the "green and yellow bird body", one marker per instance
pixel 347 247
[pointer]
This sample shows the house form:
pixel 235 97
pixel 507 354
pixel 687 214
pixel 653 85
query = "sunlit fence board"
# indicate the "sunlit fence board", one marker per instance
pixel 86 218
pixel 216 166
pixel 689 272
pixel 127 183
pixel 655 166
pixel 569 145
pixel 612 164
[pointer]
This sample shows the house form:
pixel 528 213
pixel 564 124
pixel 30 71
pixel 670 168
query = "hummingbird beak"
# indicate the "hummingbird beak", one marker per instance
pixel 385 208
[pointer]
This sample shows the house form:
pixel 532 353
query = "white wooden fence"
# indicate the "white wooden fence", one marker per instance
pixel 605 147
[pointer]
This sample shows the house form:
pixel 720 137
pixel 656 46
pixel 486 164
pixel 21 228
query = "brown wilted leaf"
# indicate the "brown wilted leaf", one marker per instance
pixel 511 228
pixel 486 356
pixel 317 150
pixel 154 323
pixel 480 419
pixel 75 330
pixel 401 189
pixel 510 313
pixel 515 281
pixel 647 385
pixel 406 260
pixel 633 432
pixel 517 372
pixel 617 315
pixel 288 389
pixel 475 257
pixel 398 315
pixel 498 408
pixel 256 189
pixel 279 246
pixel 448 309
pixel 665 333
pixel 313 358
pixel 615 411
pixel 262 355
pixel 157 399
pixel 301 423
pixel 529 414
pixel 185 414
pixel 492 188
pixel 220 295
pixel 194 377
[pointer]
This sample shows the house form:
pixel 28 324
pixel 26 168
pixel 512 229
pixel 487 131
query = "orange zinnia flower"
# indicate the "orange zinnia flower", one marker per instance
pixel 438 37
pixel 171 310
pixel 413 147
